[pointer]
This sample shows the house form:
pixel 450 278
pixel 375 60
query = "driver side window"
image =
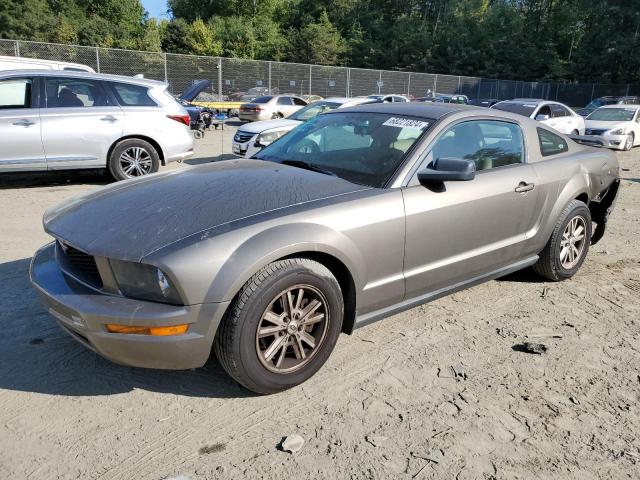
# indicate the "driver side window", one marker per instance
pixel 489 143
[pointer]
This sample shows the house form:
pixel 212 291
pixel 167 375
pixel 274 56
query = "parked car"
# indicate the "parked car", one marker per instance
pixel 71 120
pixel 270 107
pixel 483 102
pixel 445 98
pixel 617 125
pixel 553 114
pixel 311 98
pixel 253 137
pixel 266 261
pixel 21 63
pixel 610 100
pixel 388 98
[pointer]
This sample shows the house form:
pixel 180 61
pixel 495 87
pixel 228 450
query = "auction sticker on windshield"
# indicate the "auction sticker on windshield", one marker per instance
pixel 406 123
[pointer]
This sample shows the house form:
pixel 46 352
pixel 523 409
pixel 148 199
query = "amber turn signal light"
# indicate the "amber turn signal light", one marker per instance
pixel 155 331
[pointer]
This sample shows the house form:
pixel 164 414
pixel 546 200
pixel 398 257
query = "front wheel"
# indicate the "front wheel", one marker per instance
pixel 568 246
pixel 282 327
pixel 133 158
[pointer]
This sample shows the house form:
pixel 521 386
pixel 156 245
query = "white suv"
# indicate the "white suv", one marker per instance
pixel 70 120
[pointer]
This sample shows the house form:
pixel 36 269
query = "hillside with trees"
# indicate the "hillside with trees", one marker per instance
pixel 568 40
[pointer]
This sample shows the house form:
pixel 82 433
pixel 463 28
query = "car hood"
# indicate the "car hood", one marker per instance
pixel 131 219
pixel 194 90
pixel 600 125
pixel 257 127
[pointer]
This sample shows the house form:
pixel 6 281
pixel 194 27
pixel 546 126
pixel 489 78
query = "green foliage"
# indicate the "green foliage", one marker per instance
pixel 568 40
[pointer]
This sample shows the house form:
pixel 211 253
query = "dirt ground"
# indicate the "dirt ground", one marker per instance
pixel 386 405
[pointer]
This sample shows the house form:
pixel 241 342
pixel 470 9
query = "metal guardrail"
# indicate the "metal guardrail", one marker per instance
pixel 233 77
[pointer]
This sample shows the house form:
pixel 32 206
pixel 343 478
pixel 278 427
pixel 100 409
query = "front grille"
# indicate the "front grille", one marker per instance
pixel 79 264
pixel 242 137
pixel 593 131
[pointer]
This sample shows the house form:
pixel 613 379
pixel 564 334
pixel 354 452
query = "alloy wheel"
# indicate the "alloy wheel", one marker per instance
pixel 292 328
pixel 136 162
pixel 573 242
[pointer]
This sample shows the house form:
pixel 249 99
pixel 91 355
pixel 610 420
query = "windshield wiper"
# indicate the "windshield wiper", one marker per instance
pixel 307 166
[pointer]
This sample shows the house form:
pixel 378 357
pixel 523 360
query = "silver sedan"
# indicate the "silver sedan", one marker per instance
pixel 353 216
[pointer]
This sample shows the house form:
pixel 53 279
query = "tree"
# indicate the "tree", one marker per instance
pixel 202 40
pixel 319 43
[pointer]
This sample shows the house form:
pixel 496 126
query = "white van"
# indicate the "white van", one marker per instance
pixel 20 63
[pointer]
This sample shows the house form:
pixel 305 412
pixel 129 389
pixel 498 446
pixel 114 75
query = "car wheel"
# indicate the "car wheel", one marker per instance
pixel 133 158
pixel 282 326
pixel 569 244
pixel 575 132
pixel 628 144
pixel 276 115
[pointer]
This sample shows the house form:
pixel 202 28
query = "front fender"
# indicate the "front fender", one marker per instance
pixel 214 268
pixel 281 241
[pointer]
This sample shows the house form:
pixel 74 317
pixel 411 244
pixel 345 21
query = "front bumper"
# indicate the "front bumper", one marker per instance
pixel 83 313
pixel 246 149
pixel 615 142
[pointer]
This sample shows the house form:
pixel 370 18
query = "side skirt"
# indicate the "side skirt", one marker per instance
pixel 366 319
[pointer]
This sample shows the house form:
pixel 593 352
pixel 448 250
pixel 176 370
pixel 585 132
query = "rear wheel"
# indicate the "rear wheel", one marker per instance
pixel 628 144
pixel 133 158
pixel 276 115
pixel 569 244
pixel 282 326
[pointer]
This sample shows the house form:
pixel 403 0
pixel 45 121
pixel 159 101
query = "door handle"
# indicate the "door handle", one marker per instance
pixel 24 123
pixel 109 118
pixel 524 187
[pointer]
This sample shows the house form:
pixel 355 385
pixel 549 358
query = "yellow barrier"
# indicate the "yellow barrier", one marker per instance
pixel 220 105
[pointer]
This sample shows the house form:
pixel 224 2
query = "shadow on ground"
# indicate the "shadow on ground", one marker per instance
pixel 54 178
pixel 37 356
pixel 522 276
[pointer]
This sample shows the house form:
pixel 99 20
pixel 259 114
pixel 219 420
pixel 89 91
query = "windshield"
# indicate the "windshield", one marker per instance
pixel 525 109
pixel 264 99
pixel 363 148
pixel 613 114
pixel 313 110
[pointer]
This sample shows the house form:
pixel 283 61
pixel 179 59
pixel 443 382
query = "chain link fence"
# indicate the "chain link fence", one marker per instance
pixel 238 79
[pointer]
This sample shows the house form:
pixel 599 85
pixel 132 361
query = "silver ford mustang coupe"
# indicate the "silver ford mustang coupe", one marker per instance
pixel 353 216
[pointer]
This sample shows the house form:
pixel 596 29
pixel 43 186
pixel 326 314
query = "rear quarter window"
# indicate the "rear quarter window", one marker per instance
pixel 550 143
pixel 132 95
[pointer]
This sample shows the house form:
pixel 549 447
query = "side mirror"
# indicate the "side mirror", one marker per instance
pixel 448 169
pixel 542 117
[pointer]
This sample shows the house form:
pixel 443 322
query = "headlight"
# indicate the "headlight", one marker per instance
pixel 268 138
pixel 146 282
pixel 619 131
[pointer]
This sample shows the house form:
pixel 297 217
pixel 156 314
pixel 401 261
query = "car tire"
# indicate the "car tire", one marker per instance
pixel 628 144
pixel 123 156
pixel 246 342
pixel 276 116
pixel 575 132
pixel 564 254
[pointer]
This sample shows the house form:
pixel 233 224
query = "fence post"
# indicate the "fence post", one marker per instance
pixel 593 88
pixel 458 90
pixel 98 59
pixel 435 84
pixel 479 86
pixel 310 67
pixel 409 85
pixel 17 48
pixel 220 79
pixel 269 78
pixel 348 83
pixel 166 77
pixel 627 94
pixel 379 80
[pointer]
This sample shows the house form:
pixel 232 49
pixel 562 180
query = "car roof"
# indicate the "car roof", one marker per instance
pixel 85 75
pixel 422 109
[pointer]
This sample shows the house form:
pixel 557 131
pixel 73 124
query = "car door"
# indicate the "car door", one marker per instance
pixel 80 122
pixel 20 141
pixel 285 106
pixel 469 228
pixel 561 119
